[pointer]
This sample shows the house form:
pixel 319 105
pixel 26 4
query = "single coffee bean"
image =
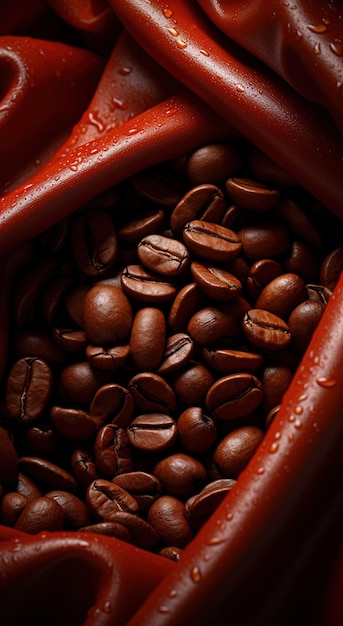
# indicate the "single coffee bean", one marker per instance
pixel 107 358
pixel 266 330
pixel 74 303
pixel 143 486
pixel 213 164
pixel 48 473
pixel 79 382
pixel 40 344
pixel 148 338
pixel 41 514
pixel 28 389
pixel 180 475
pixel 152 432
pixel 112 403
pixel 186 302
pixel 318 293
pixel 252 194
pixel 142 533
pixel 140 284
pixel 232 361
pixel 202 505
pixel 161 188
pixel 232 217
pixel 147 223
pixel 164 255
pixel 234 396
pixel 27 487
pixel 112 451
pixel 83 468
pixel 213 323
pixel 260 274
pixel 104 498
pixel 302 323
pixel 110 529
pixel 215 282
pixel 151 393
pixel 177 353
pixel 9 465
pixel 282 295
pixel 75 510
pixel 107 314
pixel 267 239
pixel 168 517
pixel 302 261
pixel 12 505
pixel 204 202
pixel 197 431
pixel 94 241
pixel 41 439
pixel 70 339
pixel 275 378
pixel 331 268
pixel 192 383
pixel 210 241
pixel 73 424
pixel 234 452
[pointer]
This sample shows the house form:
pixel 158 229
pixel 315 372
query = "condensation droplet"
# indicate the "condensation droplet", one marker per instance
pixel 336 48
pixel 317 28
pixel 172 593
pixel 298 410
pixel 94 120
pixel 316 428
pixel 120 104
pixel 260 470
pixel 298 424
pixel 204 52
pixel 290 437
pixel 73 167
pixel 317 48
pixel 107 607
pixel 229 516
pixel 326 382
pixel 214 541
pixel 173 31
pixel 181 44
pixel 195 574
pixel 167 12
pixel 240 87
pixel 277 435
pixel 274 448
pixel 163 609
pixel 291 418
pixel 124 71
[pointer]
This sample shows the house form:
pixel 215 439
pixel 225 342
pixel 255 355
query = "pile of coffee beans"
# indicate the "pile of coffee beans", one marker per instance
pixel 153 336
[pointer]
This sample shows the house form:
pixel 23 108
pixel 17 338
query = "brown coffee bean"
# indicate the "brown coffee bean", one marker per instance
pixel 331 268
pixel 168 518
pixel 73 424
pixel 83 468
pixel 9 465
pixel 39 344
pixel 110 529
pixel 204 202
pixel 302 323
pixel 104 498
pixel 40 439
pixel 151 393
pixel 275 379
pixel 94 241
pixel 202 505
pixel 41 514
pixel 213 323
pixel 54 292
pixel 197 431
pixel 166 256
pixel 282 295
pixel 148 338
pixel 48 473
pixel 107 314
pixel 185 304
pixel 152 432
pixel 212 242
pixel 260 274
pixel 112 451
pixel 318 293
pixel 145 224
pixel 112 403
pixel 28 389
pixel 265 330
pixel 27 487
pixel 75 510
pixel 12 505
pixel 79 382
pixel 177 353
pixel 180 475
pixel 302 261
pixel 70 339
pixel 213 164
pixel 234 396
pixel 142 533
pixel 267 239
pixel 144 487
pixel 215 282
pixel 161 188
pixel 74 303
pixel 232 361
pixel 107 358
pixel 192 383
pixel 145 286
pixel 236 449
pixel 251 194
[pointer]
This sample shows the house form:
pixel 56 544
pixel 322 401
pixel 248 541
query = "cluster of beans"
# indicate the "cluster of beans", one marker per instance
pixel 153 336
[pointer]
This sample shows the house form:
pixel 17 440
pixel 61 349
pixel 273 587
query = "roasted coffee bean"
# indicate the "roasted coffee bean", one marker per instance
pixel 148 338
pixel 83 468
pixel 275 378
pixel 79 382
pixel 41 514
pixel 151 393
pixel 177 353
pixel 251 194
pixel 47 473
pixel 234 396
pixel 140 284
pixel 166 256
pixel 168 518
pixel 112 403
pixel 144 487
pixel 268 239
pixel 260 274
pixel 104 498
pixel 107 314
pixel 213 323
pixel 9 465
pixel 75 510
pixel 318 293
pixel 107 358
pixel 215 282
pixel 213 164
pixel 282 295
pixel 152 432
pixel 94 241
pixel 142 533
pixel 232 361
pixel 73 424
pixel 28 389
pixel 161 188
pixel 146 224
pixel 12 505
pixel 331 268
pixel 41 439
pixel 39 344
pixel 302 261
pixel 265 330
pixel 234 452
pixel 70 339
pixel 112 451
pixel 27 487
pixel 210 241
pixel 197 431
pixel 74 303
pixel 302 323
pixel 192 383
pixel 204 202
pixel 180 475
pixel 110 529
pixel 185 304
pixel 202 505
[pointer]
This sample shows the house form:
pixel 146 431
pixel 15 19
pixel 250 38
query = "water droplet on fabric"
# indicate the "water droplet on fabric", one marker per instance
pixel 181 44
pixel 274 448
pixel 173 31
pixel 336 48
pixel 326 382
pixel 195 574
pixel 317 28
pixel 167 12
